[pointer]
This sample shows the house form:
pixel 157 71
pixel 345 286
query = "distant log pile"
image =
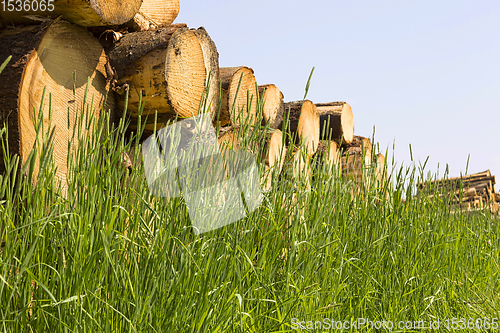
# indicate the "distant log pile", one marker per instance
pixel 471 192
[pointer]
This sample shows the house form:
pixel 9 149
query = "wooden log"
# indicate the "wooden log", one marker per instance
pixel 359 145
pixel 87 13
pixel 229 138
pixel 497 197
pixel 211 60
pixel 303 125
pixel 298 169
pixel 464 179
pixel 273 105
pixel 355 167
pixel 61 57
pixel 239 100
pixel 336 122
pixel 167 66
pixel 154 14
pixel 273 156
pixel 380 168
pixel 328 155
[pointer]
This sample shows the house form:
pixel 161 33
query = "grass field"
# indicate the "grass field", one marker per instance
pixel 109 257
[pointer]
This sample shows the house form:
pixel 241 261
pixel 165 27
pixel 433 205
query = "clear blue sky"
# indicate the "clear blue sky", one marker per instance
pixel 425 73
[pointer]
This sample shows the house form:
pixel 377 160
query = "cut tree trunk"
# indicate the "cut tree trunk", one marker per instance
pixel 336 122
pixel 211 59
pixel 229 138
pixel 87 13
pixel 298 169
pixel 154 14
pixel 167 66
pixel 328 155
pixel 61 57
pixel 456 180
pixel 359 145
pixel 355 167
pixel 239 100
pixel 302 125
pixel 274 107
pixel 497 197
pixel 274 153
pixel 380 169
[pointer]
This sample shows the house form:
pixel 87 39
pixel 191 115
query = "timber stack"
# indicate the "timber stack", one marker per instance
pixel 471 192
pixel 132 56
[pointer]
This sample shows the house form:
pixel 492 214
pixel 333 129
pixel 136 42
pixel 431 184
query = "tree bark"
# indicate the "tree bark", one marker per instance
pixel 61 57
pixel 167 66
pixel 154 14
pixel 302 123
pixel 87 13
pixel 273 105
pixel 239 100
pixel 336 122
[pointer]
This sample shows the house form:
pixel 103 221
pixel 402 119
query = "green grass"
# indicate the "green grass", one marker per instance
pixel 109 257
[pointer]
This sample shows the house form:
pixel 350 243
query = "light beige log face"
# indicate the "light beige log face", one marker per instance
pixel 65 49
pixel 185 73
pixel 87 13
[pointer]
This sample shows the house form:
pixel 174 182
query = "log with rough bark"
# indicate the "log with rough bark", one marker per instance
pixel 336 122
pixel 380 169
pixel 61 57
pixel 273 155
pixel 273 105
pixel 87 13
pixel 298 169
pixel 229 138
pixel 167 66
pixel 356 167
pixel 327 155
pixel 302 125
pixel 359 145
pixel 239 100
pixel 154 14
pixel 480 176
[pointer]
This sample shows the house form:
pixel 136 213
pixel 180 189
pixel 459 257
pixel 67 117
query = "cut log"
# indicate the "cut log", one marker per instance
pixel 336 122
pixel 239 100
pixel 229 138
pixel 355 167
pixel 380 169
pixel 274 153
pixel 61 57
pixel 167 66
pixel 211 59
pixel 327 155
pixel 154 14
pixel 298 169
pixel 273 105
pixel 87 13
pixel 497 197
pixel 303 125
pixel 359 145
pixel 464 179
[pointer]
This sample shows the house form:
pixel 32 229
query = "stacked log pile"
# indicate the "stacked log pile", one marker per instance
pixel 134 58
pixel 471 192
